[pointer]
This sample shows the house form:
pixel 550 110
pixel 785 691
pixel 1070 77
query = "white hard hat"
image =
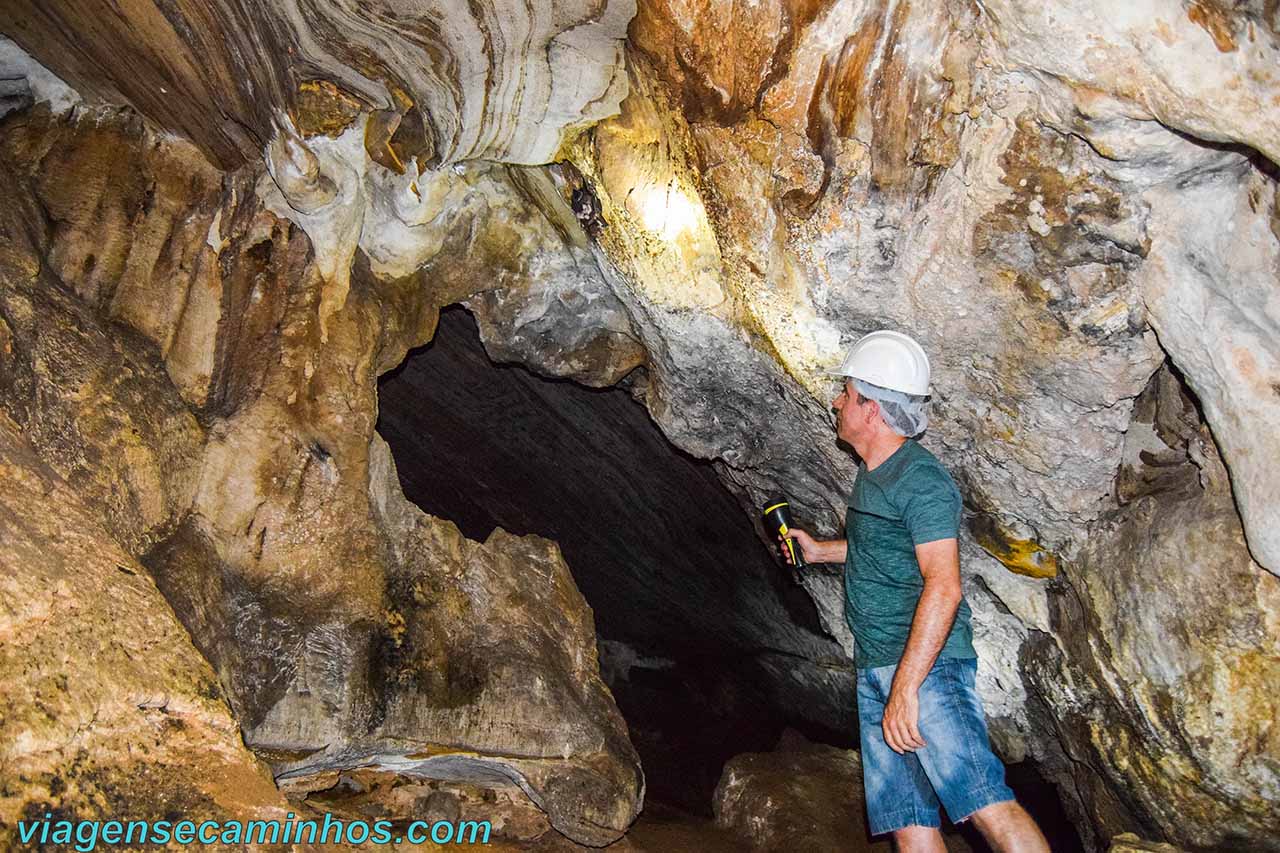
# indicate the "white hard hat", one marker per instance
pixel 890 360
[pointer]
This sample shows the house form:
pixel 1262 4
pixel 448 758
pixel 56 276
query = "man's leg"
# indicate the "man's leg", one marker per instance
pixel 957 757
pixel 899 796
pixel 919 839
pixel 1009 829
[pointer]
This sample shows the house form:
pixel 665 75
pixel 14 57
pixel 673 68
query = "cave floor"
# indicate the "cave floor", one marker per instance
pixel 662 828
pixel 659 829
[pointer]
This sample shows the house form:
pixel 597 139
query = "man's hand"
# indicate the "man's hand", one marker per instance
pixel 901 716
pixel 814 550
pixel 808 545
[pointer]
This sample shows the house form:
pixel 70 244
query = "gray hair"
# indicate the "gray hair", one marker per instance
pixel 906 414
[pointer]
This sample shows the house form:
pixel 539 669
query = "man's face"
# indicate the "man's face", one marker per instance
pixel 852 415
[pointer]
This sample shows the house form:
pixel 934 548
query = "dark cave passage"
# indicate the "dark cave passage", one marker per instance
pixel 708 646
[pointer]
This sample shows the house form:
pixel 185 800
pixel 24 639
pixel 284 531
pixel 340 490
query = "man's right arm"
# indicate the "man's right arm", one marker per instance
pixel 818 550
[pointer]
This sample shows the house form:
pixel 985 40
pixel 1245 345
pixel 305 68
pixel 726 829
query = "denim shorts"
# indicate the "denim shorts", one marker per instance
pixel 956 766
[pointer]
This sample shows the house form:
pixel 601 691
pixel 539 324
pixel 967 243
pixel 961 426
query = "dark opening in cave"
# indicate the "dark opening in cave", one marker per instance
pixel 695 618
pixel 692 611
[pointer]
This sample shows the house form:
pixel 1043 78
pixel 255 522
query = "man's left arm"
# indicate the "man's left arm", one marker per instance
pixel 940 567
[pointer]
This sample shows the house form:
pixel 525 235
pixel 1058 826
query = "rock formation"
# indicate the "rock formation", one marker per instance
pixel 800 796
pixel 1127 842
pixel 106 699
pixel 503 81
pixel 1075 209
pixel 163 356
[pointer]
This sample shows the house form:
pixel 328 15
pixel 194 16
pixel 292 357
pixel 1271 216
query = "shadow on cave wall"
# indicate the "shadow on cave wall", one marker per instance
pixel 688 600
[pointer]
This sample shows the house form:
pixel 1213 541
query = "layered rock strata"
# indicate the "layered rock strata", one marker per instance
pixel 447 82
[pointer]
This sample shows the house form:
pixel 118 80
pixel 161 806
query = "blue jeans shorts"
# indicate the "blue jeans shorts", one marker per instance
pixel 956 766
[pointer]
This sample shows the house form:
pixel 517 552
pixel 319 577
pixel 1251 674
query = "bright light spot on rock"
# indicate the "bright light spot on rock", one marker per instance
pixel 667 210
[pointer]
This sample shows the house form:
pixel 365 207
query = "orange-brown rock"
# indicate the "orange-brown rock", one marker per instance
pixel 1056 200
pixel 106 701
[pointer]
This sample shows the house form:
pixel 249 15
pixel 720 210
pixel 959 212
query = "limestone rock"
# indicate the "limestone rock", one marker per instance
pixel 27 82
pixel 335 614
pixel 373 795
pixel 553 311
pixel 1165 655
pixel 503 238
pixel 1212 299
pixel 151 236
pixel 106 701
pixel 94 403
pixel 1203 68
pixel 1127 842
pixel 797 799
pixel 498 626
pixel 1025 259
pixel 1032 390
pixel 502 81
pixel 108 421
pixel 999 179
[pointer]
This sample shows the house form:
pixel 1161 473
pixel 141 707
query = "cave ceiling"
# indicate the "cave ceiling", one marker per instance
pixel 251 210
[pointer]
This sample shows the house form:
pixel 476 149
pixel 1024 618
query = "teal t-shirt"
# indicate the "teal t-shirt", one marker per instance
pixel 909 499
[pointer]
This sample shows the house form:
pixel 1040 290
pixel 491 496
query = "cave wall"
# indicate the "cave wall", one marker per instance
pixel 1165 634
pixel 106 698
pixel 163 357
pixel 1056 202
pixel 959 173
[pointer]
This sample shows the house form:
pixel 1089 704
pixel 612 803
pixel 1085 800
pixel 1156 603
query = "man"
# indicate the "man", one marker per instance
pixel 924 736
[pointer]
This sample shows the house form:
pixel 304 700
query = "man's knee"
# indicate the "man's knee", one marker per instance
pixel 918 839
pixel 1009 829
pixel 997 816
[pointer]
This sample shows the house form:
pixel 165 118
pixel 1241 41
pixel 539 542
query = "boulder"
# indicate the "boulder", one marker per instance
pixel 802 796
